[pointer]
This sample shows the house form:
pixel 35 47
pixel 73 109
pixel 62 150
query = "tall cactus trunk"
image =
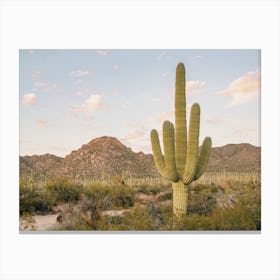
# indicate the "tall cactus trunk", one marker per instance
pixel 180 198
pixel 182 163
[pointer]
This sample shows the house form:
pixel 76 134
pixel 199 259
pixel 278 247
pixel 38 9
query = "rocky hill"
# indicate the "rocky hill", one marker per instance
pixel 108 157
pixel 101 157
pixel 235 157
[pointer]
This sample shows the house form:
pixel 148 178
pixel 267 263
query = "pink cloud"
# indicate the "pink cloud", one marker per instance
pixel 91 104
pixel 102 52
pixel 35 75
pixel 40 84
pixel 79 73
pixel 245 89
pixel 194 87
pixel 42 123
pixel 29 99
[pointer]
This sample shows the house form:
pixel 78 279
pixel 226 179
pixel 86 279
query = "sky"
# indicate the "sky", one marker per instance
pixel 69 97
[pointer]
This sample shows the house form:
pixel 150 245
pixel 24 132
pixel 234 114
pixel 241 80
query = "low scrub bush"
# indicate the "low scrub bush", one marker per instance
pixel 150 189
pixel 64 190
pixel 201 199
pixel 111 197
pixel 208 207
pixel 39 202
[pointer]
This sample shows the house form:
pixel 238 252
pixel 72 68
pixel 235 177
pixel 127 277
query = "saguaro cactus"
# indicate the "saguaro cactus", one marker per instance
pixel 182 162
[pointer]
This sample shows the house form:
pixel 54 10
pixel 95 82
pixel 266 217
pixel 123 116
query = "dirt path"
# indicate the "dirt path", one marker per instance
pixel 49 222
pixel 39 222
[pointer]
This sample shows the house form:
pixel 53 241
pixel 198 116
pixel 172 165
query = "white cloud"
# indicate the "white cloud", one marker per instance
pixel 35 75
pixel 194 87
pixel 245 89
pixel 194 57
pixel 164 75
pixel 29 99
pixel 79 73
pixel 116 67
pixel 163 56
pixel 40 84
pixel 78 82
pixel 91 104
pixel 102 52
pixel 137 136
pixel 79 93
pixel 42 123
pixel 85 91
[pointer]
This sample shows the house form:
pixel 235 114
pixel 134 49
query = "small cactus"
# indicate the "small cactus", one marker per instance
pixel 31 180
pixel 182 163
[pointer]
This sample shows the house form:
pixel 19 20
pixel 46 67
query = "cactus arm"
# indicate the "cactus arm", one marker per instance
pixel 203 157
pixel 192 148
pixel 158 157
pixel 180 120
pixel 182 163
pixel 169 151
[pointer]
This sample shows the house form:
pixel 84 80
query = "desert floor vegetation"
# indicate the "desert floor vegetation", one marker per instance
pixel 217 201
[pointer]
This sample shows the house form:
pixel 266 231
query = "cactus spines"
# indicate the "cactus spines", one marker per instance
pixel 203 157
pixel 182 163
pixel 180 119
pixel 31 180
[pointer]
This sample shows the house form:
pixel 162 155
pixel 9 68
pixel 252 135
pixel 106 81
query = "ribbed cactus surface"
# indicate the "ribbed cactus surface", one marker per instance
pixel 181 163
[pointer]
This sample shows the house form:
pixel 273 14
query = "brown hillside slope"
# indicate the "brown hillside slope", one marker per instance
pixel 108 157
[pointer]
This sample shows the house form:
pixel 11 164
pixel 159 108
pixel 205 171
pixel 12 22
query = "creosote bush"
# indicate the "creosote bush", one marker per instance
pixel 210 207
pixel 111 197
pixel 37 202
pixel 202 199
pixel 63 190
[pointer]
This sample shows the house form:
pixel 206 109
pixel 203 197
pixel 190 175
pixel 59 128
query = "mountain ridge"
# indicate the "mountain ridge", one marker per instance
pixel 107 157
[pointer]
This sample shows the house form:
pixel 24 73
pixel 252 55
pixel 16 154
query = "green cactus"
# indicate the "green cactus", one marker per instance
pixel 182 162
pixel 32 180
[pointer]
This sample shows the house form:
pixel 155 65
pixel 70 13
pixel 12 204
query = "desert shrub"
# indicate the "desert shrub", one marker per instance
pixel 236 218
pixel 83 215
pixel 112 223
pixel 150 189
pixel 201 199
pixel 23 183
pixel 63 190
pixel 27 222
pixel 76 221
pixel 167 196
pixel 39 202
pixel 87 205
pixel 251 201
pixel 111 197
pixel 139 218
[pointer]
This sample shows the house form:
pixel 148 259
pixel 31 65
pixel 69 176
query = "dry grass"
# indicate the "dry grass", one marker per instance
pixel 217 201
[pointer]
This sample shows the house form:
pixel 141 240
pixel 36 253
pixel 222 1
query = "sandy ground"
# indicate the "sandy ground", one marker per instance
pixel 45 222
pixel 48 222
pixel 115 213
